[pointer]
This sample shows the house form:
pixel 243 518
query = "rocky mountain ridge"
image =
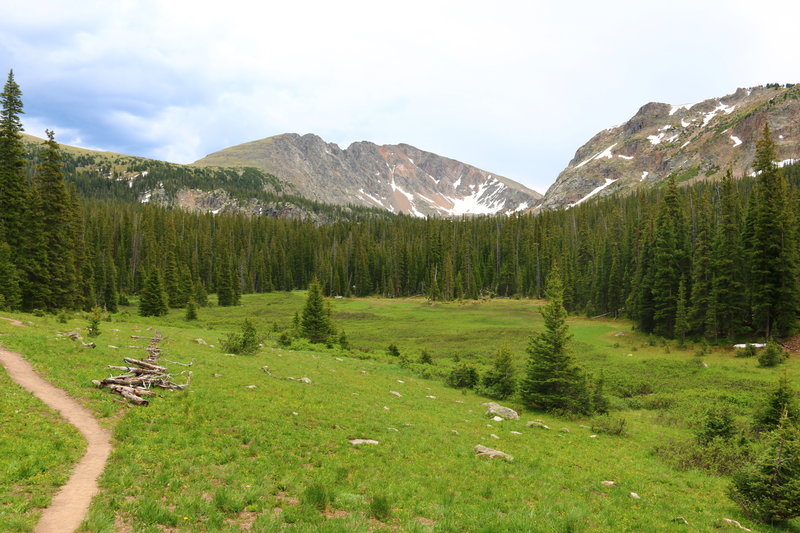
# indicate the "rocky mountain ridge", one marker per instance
pixel 399 178
pixel 689 141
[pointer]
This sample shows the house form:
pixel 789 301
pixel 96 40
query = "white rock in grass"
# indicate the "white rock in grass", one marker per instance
pixel 305 380
pixel 635 496
pixel 498 418
pixel 735 523
pixel 385 408
pixel 608 483
pixel 491 453
pixel 250 387
pixel 400 381
pixel 515 432
pixel 592 436
pixel 493 436
pixel 395 393
pixel 493 408
pixel 201 342
pixel 392 429
pixel 113 347
pixel 339 359
pixel 537 424
pixel 431 397
pixel 357 442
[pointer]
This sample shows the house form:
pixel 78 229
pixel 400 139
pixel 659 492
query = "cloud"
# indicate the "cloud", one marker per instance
pixel 514 88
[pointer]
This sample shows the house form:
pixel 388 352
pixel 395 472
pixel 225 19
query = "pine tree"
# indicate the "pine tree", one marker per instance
pixel 769 487
pixel 14 190
pixel 153 299
pixel 681 319
pixel 499 382
pixel 552 381
pixel 728 292
pixel 670 260
pixel 773 246
pixel 191 310
pixel 10 293
pixel 781 400
pixel 701 315
pixel 315 323
pixel 55 212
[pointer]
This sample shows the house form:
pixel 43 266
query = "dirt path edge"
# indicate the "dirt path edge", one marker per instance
pixel 70 505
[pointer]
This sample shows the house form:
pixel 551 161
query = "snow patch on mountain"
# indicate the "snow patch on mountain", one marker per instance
pixel 595 191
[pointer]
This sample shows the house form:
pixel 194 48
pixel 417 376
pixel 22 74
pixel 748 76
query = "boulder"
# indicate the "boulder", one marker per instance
pixel 357 442
pixel 491 453
pixel 395 393
pixel 493 408
pixel 537 424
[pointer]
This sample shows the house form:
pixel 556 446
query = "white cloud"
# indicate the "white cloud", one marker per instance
pixel 514 88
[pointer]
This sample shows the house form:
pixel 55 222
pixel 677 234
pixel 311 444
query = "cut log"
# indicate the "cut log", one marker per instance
pixel 145 364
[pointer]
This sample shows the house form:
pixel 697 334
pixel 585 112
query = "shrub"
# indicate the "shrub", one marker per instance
pixel 463 376
pixel 610 425
pixel 379 507
pixel 344 344
pixel 244 343
pixel 718 424
pixel 769 487
pixel 93 329
pixel 781 400
pixel 191 310
pixel 425 358
pixel 393 350
pixel 748 351
pixel 285 338
pixel 772 355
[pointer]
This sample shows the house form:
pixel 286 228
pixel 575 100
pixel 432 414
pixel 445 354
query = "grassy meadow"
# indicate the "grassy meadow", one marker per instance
pixel 241 450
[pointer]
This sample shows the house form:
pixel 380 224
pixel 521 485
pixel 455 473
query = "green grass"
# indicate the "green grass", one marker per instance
pixel 222 456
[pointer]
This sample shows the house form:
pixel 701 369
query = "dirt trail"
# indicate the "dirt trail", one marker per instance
pixel 70 504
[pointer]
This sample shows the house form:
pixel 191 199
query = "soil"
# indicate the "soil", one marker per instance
pixel 71 503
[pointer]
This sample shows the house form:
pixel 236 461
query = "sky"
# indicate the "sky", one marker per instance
pixel 512 87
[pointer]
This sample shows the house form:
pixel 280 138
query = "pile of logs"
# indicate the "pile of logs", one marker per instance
pixel 141 376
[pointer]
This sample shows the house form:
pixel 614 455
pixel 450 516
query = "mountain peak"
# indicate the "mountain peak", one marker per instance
pixel 399 178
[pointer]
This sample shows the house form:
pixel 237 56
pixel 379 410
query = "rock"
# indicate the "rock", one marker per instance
pixel 400 381
pixel 201 342
pixel 431 397
pixel 339 359
pixel 395 393
pixel 305 380
pixel 564 430
pixel 731 522
pixel 537 424
pixel 619 334
pixel 113 347
pixel 363 371
pixel 585 427
pixel 515 432
pixel 295 413
pixel 705 365
pixel 385 408
pixel 491 453
pixel 217 375
pixel 497 409
pixel 498 418
pixel 681 520
pixel 493 436
pixel 250 387
pixel 608 483
pixel 635 496
pixel 592 436
pixel 454 431
pixel 392 429
pixel 74 335
pixel 89 345
pixel 357 442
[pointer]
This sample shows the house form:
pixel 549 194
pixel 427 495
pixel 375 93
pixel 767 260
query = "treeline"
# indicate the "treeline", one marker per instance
pixel 713 260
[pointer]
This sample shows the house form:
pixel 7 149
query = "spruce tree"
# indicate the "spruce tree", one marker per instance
pixel 14 190
pixel 10 293
pixel 500 382
pixel 552 380
pixel 315 322
pixel 728 291
pixel 702 315
pixel 773 246
pixel 681 318
pixel 153 299
pixel 780 400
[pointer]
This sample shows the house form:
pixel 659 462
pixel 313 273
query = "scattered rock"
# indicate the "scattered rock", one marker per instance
pixel 498 418
pixel 339 359
pixel 395 393
pixel 537 424
pixel 217 375
pixel 89 345
pixel 400 381
pixel 363 371
pixel 731 522
pixel 392 429
pixel 592 436
pixel 113 347
pixel 460 401
pixel 201 342
pixel 515 432
pixel 357 442
pixel 635 496
pixel 585 427
pixel 681 520
pixel 705 365
pixel 608 483
pixel 295 413
pixel 619 334
pixel 454 431
pixel 491 453
pixel 431 397
pixel 564 430
pixel 493 436
pixel 385 408
pixel 493 408
pixel 305 380
pixel 250 387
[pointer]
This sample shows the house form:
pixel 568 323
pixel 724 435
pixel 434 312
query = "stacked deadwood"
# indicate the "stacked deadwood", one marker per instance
pixel 139 378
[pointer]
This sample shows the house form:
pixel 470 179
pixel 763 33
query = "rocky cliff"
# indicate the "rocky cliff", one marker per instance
pixel 688 141
pixel 398 178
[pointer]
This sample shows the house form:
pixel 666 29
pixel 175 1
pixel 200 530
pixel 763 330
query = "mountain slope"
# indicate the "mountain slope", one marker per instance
pixel 399 178
pixel 690 141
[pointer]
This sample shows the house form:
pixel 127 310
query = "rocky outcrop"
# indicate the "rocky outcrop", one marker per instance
pixel 398 178
pixel 690 142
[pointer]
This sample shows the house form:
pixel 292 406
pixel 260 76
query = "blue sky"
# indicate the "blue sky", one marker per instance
pixel 514 88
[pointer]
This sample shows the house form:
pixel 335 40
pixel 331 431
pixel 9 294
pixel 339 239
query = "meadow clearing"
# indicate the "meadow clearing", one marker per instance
pixel 241 449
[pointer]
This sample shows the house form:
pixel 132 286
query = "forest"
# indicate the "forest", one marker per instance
pixel 716 259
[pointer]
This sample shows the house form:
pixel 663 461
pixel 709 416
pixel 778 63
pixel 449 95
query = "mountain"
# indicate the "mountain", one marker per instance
pixel 99 175
pixel 398 178
pixel 689 141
